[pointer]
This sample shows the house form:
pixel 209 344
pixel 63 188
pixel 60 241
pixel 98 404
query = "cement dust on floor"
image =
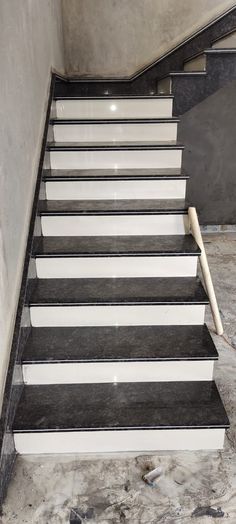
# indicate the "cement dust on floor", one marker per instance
pixel 195 486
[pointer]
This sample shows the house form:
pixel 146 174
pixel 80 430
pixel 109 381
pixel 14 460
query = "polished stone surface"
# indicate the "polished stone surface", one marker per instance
pixel 112 206
pixel 107 174
pixel 103 146
pixel 63 121
pixel 120 405
pixel 123 343
pixel 49 489
pixel 111 291
pixel 116 246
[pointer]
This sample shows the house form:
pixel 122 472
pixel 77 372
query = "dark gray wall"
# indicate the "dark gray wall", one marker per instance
pixel 208 132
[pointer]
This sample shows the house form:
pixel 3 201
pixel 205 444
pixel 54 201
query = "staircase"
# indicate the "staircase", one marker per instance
pixel 118 357
pixel 201 75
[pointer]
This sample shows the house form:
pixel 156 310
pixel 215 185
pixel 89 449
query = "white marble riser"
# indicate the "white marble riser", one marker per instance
pixel 117 159
pixel 100 315
pixel 95 267
pixel 114 108
pixel 159 132
pixel 118 441
pixel 116 189
pixel 103 225
pixel 84 373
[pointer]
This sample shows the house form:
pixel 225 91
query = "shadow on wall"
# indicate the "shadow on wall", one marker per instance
pixel 209 134
pixel 115 38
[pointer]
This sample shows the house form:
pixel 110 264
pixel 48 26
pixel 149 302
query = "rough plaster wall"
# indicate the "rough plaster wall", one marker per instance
pixel 31 42
pixel 208 132
pixel 105 38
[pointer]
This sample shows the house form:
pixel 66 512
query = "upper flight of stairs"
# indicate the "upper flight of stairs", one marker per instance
pixel 202 75
pixel 118 357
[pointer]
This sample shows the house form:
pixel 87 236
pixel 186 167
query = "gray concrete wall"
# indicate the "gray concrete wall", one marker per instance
pixel 31 42
pixel 105 38
pixel 208 132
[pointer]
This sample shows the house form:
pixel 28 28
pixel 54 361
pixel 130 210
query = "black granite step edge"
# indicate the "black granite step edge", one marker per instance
pixel 118 97
pixel 118 344
pixel 57 146
pixel 176 245
pixel 111 207
pixel 74 121
pixel 188 73
pixel 218 51
pixel 114 174
pixel 111 292
pixel 120 406
pixel 82 178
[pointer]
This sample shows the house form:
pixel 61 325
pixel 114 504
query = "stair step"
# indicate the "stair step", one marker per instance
pixel 228 41
pixel 124 354
pixel 110 207
pixel 131 145
pixel 119 417
pixel 181 245
pixel 114 217
pixel 114 291
pixel 120 155
pixel 134 301
pixel 87 257
pixel 197 63
pixel 119 344
pixel 70 185
pixel 72 130
pixel 113 174
pixel 110 107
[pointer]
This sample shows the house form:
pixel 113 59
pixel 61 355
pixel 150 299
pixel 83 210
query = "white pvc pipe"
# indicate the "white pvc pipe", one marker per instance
pixel 195 229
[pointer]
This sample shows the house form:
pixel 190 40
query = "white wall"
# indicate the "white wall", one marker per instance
pixel 106 38
pixel 31 43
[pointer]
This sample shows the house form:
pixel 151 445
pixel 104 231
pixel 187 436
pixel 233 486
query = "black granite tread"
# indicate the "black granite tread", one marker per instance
pixel 113 174
pixel 117 291
pixel 107 97
pixel 143 405
pixel 188 73
pixel 218 50
pixel 147 245
pixel 113 146
pixel 118 344
pixel 63 121
pixel 107 207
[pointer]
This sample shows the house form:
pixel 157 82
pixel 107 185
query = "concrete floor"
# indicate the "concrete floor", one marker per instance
pixel 195 486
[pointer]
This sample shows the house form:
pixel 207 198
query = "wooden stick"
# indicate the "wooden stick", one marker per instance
pixel 195 229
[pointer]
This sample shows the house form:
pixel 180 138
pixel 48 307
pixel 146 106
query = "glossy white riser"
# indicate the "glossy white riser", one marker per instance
pixel 114 108
pixel 84 373
pixel 115 441
pixel 116 189
pixel 68 225
pixel 116 159
pixel 117 315
pixel 95 267
pixel 162 132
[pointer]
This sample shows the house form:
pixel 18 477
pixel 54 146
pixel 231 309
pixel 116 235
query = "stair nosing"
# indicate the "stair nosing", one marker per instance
pixel 188 73
pixel 181 208
pixel 98 121
pixel 82 178
pixel 113 97
pixel 107 360
pixel 57 146
pixel 114 249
